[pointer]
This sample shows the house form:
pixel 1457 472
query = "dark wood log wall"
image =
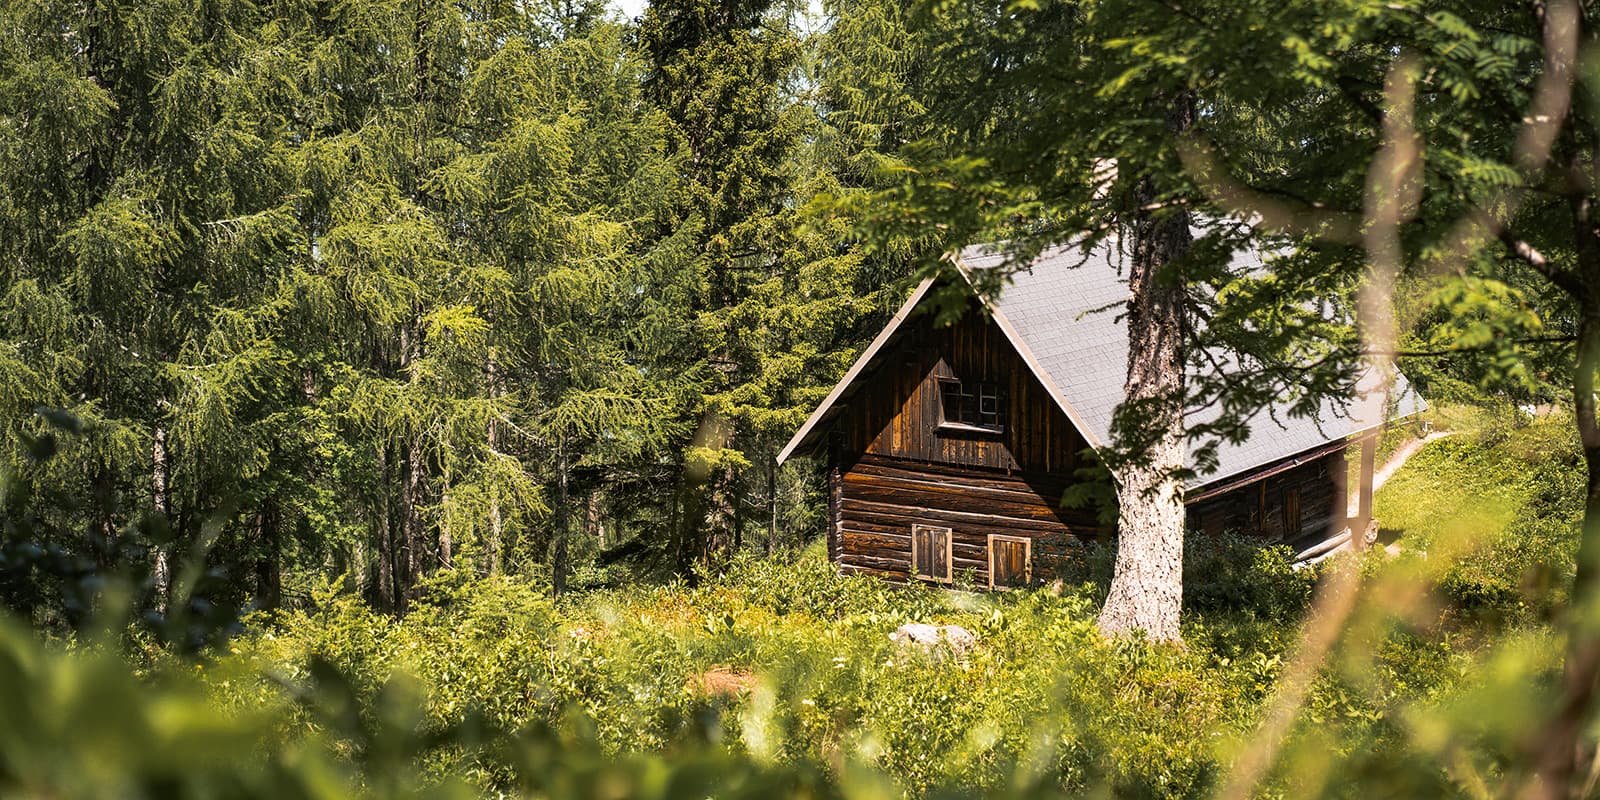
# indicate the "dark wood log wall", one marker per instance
pixel 899 469
pixel 882 498
pixel 1257 508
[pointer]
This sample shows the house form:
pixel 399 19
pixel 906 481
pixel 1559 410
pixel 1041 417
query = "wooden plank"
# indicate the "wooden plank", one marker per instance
pixel 861 539
pixel 890 514
pixel 998 477
pixel 1010 562
pixel 891 575
pixel 1015 491
pixel 875 562
pixel 951 500
pixel 973 349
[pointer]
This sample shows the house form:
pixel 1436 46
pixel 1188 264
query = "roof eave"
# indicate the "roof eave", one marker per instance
pixel 801 438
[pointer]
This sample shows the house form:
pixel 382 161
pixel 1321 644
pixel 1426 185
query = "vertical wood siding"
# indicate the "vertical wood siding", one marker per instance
pixel 898 411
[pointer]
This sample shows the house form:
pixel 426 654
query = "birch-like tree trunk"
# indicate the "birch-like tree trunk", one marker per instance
pixel 160 472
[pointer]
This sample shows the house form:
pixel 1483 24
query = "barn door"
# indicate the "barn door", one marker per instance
pixel 1010 561
pixel 930 552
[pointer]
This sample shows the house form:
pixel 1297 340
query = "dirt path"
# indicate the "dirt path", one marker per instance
pixel 1393 465
pixel 1379 478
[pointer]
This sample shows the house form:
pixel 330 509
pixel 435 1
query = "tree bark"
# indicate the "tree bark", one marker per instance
pixel 388 596
pixel 492 546
pixel 269 578
pixel 691 539
pixel 160 472
pixel 446 540
pixel 594 523
pixel 558 554
pixel 1147 584
pixel 772 503
pixel 1559 749
pixel 411 469
pixel 104 530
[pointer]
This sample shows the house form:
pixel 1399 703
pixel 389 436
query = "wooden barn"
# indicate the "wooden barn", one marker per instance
pixel 948 448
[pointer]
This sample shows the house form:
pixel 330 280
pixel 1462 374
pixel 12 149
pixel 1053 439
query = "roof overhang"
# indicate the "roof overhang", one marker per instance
pixel 804 438
pixel 1214 485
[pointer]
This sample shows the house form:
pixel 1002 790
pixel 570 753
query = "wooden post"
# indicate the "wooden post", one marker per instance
pixel 1369 455
pixel 835 512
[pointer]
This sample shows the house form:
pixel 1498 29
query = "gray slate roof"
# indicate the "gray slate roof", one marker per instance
pixel 1064 309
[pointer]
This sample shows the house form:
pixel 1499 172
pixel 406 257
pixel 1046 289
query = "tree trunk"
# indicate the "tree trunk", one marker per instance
pixel 269 578
pixel 160 471
pixel 388 596
pixel 735 509
pixel 411 468
pixel 690 533
pixel 492 546
pixel 594 524
pixel 358 567
pixel 1147 585
pixel 1560 747
pixel 104 487
pixel 772 503
pixel 446 540
pixel 558 549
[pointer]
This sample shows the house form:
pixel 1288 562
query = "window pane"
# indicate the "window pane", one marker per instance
pixel 971 404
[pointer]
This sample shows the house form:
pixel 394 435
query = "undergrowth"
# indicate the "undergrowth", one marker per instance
pixel 779 677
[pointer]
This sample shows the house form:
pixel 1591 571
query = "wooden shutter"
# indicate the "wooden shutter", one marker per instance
pixel 1010 561
pixel 1291 513
pixel 930 552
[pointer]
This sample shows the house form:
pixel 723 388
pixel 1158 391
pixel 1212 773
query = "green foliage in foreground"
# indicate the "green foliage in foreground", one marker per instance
pixel 780 680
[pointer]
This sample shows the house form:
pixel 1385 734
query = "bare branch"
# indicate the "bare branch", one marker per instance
pixel 1258 207
pixel 1567 280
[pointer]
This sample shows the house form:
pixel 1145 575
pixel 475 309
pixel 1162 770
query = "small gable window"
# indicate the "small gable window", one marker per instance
pixel 971 405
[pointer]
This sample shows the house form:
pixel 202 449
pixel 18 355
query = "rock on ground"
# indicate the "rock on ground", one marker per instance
pixel 927 637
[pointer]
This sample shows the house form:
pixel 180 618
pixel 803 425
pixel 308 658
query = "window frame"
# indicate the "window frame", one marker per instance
pixel 949 562
pixel 1027 560
pixel 978 391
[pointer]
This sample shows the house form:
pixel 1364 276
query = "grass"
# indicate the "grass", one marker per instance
pixel 1500 501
